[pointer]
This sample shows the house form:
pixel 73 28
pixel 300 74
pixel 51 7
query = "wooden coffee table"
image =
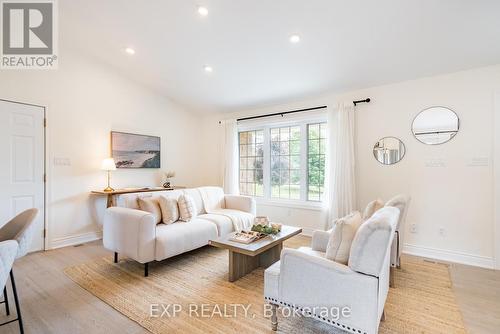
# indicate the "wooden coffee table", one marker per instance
pixel 243 258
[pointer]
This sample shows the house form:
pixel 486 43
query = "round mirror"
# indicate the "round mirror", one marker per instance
pixel 389 150
pixel 435 125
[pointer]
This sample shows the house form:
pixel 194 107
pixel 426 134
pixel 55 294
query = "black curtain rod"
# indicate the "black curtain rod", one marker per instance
pixel 293 111
pixel 362 101
pixel 280 113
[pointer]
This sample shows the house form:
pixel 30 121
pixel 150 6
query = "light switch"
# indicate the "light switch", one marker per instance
pixel 58 161
pixel 478 162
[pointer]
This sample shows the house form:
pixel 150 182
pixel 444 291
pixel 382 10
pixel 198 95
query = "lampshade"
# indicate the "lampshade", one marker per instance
pixel 108 164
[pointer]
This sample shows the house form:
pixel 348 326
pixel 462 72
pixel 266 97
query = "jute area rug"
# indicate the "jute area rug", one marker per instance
pixel 187 294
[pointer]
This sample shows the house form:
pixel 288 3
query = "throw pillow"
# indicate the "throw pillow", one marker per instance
pixel 169 209
pixel 343 232
pixel 372 207
pixel 150 204
pixel 187 208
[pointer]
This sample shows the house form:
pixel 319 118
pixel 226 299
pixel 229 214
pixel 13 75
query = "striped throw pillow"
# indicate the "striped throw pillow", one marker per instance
pixel 187 208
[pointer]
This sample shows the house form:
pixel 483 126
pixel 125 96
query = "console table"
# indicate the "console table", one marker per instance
pixel 110 195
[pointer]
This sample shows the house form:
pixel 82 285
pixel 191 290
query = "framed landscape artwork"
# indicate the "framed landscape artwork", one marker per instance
pixel 135 151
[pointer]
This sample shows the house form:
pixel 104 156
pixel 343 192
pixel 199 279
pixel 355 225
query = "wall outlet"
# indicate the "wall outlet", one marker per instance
pixel 435 163
pixel 442 232
pixel 413 228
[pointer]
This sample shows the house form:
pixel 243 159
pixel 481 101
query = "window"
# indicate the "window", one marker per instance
pixel 251 163
pixel 316 153
pixel 284 162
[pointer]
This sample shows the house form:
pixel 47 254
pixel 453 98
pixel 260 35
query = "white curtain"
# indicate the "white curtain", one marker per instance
pixel 231 158
pixel 340 162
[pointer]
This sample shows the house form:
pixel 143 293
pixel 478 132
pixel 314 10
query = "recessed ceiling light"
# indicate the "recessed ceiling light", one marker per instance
pixel 203 11
pixel 208 69
pixel 130 51
pixel 294 39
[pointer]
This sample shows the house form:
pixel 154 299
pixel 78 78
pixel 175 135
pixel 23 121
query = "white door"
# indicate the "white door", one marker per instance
pixel 22 167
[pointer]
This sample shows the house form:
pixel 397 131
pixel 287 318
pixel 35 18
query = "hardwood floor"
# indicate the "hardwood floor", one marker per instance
pixel 52 303
pixel 478 294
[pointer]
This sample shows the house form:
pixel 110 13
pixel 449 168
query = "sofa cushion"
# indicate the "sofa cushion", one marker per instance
pixel 372 207
pixel 198 201
pixel 169 209
pixel 174 239
pixel 343 232
pixel 272 279
pixel 187 208
pixel 151 205
pixel 224 223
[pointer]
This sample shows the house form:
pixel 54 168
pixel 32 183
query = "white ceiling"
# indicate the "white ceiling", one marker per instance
pixel 344 44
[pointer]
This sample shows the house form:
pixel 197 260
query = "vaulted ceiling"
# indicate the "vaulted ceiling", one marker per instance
pixel 343 44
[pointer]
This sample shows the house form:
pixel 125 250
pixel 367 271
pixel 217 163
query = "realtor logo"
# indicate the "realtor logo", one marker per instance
pixel 28 34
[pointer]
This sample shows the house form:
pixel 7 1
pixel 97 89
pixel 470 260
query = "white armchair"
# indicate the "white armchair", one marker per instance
pixel 305 280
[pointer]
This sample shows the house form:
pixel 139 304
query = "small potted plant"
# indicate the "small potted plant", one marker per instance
pixel 167 176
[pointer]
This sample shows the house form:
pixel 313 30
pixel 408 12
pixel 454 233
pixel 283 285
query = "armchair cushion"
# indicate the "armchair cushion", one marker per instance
pixel 340 240
pixel 320 240
pixel 372 242
pixel 372 207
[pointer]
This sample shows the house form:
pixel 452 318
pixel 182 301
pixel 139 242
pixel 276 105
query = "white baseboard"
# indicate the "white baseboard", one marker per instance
pixel 450 256
pixel 75 239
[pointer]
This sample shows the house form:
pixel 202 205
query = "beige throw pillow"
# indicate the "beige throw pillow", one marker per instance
pixel 343 232
pixel 372 207
pixel 169 209
pixel 187 208
pixel 150 204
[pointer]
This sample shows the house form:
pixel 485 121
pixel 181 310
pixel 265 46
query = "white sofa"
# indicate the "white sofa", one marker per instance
pixel 134 233
pixel 307 281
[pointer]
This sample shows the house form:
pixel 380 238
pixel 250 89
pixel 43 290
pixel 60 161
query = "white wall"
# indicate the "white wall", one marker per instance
pixel 457 197
pixel 86 100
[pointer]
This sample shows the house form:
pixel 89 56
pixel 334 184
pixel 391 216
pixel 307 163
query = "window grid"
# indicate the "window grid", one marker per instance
pixel 285 162
pixel 316 155
pixel 251 162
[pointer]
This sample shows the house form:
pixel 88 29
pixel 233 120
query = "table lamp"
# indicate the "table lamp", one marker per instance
pixel 108 165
